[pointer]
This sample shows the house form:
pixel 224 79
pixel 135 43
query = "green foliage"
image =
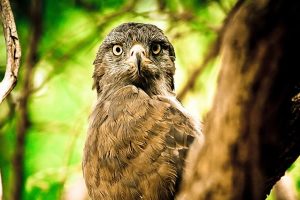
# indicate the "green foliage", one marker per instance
pixel 62 95
pixel 294 171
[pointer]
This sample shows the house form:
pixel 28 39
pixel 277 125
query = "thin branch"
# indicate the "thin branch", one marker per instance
pixel 213 53
pixel 23 122
pixel 105 20
pixel 13 50
pixel 195 74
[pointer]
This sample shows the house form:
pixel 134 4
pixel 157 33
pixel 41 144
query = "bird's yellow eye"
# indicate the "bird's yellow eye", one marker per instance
pixel 155 48
pixel 117 49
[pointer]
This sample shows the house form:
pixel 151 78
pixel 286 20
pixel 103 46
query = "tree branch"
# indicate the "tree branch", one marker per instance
pixel 23 120
pixel 67 55
pixel 213 53
pixel 13 50
pixel 252 131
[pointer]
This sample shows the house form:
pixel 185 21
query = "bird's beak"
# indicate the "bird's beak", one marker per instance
pixel 137 55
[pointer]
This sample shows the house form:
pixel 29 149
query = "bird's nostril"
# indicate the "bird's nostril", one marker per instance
pixel 137 49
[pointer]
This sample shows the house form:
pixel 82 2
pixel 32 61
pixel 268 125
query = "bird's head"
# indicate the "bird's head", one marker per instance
pixel 137 54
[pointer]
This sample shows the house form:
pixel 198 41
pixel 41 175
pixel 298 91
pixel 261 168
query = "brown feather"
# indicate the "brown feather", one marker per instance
pixel 138 132
pixel 131 152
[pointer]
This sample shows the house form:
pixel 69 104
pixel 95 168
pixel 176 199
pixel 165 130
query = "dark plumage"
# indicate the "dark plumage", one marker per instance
pixel 139 133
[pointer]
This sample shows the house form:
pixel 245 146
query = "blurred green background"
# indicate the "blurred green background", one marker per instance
pixel 50 106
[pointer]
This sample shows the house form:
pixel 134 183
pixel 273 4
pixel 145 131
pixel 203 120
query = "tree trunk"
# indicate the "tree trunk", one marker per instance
pixel 252 131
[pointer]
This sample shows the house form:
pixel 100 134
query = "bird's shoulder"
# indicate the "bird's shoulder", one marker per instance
pixel 131 104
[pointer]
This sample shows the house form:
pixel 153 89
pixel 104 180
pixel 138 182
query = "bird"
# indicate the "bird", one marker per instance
pixel 139 134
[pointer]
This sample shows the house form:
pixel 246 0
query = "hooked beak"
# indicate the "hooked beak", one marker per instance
pixel 137 55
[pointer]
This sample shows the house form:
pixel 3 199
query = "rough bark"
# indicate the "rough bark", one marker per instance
pixel 13 50
pixel 252 131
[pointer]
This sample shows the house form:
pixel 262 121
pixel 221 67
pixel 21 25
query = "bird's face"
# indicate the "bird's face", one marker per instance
pixel 137 54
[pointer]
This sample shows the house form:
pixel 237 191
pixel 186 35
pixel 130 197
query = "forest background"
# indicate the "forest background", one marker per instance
pixel 43 122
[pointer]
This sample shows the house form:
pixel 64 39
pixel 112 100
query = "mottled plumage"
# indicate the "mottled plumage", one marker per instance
pixel 139 133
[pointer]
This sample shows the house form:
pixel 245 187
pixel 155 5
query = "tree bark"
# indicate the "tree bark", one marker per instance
pixel 13 50
pixel 252 131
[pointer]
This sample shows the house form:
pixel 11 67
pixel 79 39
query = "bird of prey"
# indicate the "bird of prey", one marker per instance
pixel 138 133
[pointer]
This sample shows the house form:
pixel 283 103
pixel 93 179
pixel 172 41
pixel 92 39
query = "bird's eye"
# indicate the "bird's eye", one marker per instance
pixel 155 48
pixel 117 49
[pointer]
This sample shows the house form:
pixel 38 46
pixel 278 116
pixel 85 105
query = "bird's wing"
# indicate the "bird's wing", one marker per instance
pixel 185 130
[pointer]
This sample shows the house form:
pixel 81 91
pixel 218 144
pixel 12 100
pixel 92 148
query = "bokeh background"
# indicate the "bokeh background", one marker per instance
pixel 43 122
